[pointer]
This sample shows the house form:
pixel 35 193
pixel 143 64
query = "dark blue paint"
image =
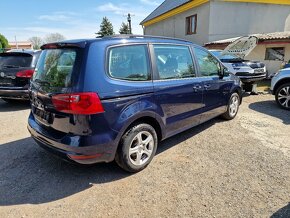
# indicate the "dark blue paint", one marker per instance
pixel 175 105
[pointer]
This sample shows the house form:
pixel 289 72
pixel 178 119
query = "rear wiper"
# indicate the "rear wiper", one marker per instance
pixel 41 82
pixel 11 66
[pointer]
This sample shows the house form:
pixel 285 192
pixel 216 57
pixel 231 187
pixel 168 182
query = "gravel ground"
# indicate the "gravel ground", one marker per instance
pixel 239 168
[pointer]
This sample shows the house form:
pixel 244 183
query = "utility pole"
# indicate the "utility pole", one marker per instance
pixel 16 42
pixel 129 19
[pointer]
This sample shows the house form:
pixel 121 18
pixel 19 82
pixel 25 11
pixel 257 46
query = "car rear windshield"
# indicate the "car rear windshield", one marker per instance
pixel 10 60
pixel 55 67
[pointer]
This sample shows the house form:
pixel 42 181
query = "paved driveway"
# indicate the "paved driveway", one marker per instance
pixel 239 168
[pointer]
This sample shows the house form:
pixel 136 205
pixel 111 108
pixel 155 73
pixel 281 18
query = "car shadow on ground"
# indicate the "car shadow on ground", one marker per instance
pixel 29 175
pixel 283 212
pixel 272 109
pixel 15 106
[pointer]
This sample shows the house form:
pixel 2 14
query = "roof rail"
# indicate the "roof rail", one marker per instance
pixel 131 36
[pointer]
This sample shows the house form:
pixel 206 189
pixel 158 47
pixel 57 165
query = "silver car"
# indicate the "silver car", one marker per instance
pixel 280 87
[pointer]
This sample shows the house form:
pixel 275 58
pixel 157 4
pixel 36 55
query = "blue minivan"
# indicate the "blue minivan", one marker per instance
pixel 115 98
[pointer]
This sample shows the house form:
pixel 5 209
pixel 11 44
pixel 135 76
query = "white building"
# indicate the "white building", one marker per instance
pixel 202 21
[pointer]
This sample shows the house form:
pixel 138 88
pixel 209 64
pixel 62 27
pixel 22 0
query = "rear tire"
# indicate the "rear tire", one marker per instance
pixel 233 107
pixel 137 148
pixel 282 96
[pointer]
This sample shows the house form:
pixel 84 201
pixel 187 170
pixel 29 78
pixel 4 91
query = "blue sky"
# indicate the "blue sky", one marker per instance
pixel 72 18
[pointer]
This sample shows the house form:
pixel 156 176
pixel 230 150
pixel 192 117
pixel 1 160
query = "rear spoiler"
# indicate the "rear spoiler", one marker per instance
pixel 56 45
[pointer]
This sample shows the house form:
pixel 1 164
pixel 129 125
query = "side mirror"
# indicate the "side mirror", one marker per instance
pixel 226 71
pixel 222 73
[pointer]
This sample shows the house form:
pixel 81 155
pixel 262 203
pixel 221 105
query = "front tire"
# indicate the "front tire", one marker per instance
pixel 233 107
pixel 282 96
pixel 137 148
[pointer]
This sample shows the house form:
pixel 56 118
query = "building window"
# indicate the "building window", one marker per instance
pixel 275 54
pixel 191 23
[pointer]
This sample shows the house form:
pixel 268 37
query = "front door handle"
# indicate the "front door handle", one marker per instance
pixel 196 88
pixel 207 86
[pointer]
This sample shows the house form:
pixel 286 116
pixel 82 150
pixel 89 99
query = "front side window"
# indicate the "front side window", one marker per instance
pixel 129 63
pixel 191 23
pixel 174 62
pixel 275 54
pixel 208 64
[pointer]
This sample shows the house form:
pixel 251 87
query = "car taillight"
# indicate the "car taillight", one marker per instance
pixel 78 103
pixel 25 73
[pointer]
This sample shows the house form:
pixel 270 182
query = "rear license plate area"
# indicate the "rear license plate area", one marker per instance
pixel 5 82
pixel 43 116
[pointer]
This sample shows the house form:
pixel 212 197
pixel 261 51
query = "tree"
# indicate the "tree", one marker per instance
pixel 106 28
pixel 53 37
pixel 124 29
pixel 3 41
pixel 36 42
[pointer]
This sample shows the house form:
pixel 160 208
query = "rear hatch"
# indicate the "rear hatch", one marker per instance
pixel 58 105
pixel 56 73
pixel 15 69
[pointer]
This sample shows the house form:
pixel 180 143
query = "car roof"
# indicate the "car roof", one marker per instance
pixel 118 39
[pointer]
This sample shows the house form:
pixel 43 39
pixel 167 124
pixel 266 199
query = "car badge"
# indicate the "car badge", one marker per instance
pixel 2 74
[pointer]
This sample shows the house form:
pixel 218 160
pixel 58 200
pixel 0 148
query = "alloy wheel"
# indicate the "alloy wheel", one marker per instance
pixel 234 106
pixel 141 148
pixel 284 97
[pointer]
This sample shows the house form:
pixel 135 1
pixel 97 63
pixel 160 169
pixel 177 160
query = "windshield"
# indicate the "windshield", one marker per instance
pixel 55 67
pixel 219 55
pixel 13 60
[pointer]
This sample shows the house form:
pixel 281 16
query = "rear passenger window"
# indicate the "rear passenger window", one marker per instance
pixel 174 62
pixel 129 63
pixel 208 64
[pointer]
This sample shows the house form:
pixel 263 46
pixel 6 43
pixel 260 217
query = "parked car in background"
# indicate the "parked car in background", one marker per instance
pixel 280 87
pixel 16 69
pixel 247 71
pixel 114 98
pixel 287 65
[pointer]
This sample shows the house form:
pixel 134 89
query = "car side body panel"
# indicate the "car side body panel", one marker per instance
pixel 173 105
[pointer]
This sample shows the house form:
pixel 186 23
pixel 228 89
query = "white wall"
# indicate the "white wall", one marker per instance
pixel 232 19
pixel 221 20
pixel 259 54
pixel 176 26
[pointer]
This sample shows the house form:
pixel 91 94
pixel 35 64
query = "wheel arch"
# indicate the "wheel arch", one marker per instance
pixel 280 83
pixel 238 90
pixel 148 120
pixel 146 117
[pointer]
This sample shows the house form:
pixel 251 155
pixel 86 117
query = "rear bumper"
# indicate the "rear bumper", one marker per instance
pixel 14 93
pixel 70 147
